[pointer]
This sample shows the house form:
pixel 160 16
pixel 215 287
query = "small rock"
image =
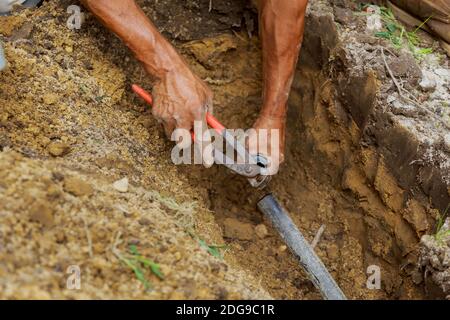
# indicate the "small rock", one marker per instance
pixel 442 72
pixel 23 32
pixel 282 249
pixel 50 98
pixel 58 149
pixel 57 176
pixel 391 99
pixel 417 277
pixel 121 185
pixel 343 16
pixel 45 141
pixel 427 84
pixel 221 293
pixel 447 142
pixel 60 237
pixel 77 187
pixel 235 229
pixel 53 192
pixel 261 231
pixel 144 221
pixel 178 256
pixel 42 212
pixel 332 251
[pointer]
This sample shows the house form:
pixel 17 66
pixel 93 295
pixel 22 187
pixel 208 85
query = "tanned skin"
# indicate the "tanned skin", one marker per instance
pixel 180 96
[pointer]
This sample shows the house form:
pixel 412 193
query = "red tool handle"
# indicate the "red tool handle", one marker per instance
pixel 210 119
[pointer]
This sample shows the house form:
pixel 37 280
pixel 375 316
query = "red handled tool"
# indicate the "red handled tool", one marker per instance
pixel 253 167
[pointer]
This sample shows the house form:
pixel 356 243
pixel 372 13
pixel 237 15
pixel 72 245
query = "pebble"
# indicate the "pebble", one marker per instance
pixel 332 251
pixel 427 84
pixel 121 185
pixel 3 62
pixel 391 99
pixel 58 149
pixel 447 142
pixel 178 256
pixel 261 231
pixel 42 212
pixel 442 72
pixel 144 221
pixel 77 187
pixel 417 277
pixel 60 237
pixel 235 229
pixel 50 98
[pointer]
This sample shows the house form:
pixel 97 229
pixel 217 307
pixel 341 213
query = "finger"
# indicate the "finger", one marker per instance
pixel 203 140
pixel 251 141
pixel 184 124
pixel 169 126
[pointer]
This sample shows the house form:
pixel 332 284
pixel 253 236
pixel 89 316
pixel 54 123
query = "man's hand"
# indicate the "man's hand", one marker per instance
pixel 180 99
pixel 268 139
pixel 282 24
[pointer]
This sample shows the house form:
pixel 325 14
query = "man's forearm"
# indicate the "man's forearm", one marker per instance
pixel 282 25
pixel 128 21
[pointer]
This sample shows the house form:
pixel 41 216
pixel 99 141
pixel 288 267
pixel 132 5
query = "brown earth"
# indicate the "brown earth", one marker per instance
pixel 70 128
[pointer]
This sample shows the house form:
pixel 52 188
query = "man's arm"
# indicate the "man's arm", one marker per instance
pixel 282 24
pixel 180 97
pixel 127 20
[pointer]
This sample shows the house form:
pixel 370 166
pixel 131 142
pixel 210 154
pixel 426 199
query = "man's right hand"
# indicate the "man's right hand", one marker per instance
pixel 180 98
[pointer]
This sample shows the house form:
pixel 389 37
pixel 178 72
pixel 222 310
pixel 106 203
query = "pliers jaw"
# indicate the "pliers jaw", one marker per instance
pixel 246 165
pixel 261 180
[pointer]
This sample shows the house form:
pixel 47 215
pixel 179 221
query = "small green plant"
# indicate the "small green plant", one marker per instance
pixel 212 249
pixel 397 34
pixel 137 263
pixel 442 234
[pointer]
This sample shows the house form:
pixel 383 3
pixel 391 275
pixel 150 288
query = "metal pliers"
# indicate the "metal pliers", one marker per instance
pixel 244 164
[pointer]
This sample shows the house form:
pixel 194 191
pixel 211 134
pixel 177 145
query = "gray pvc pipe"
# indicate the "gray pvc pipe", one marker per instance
pixel 3 62
pixel 308 259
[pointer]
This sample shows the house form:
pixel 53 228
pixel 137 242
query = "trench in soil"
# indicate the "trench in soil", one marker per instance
pixel 326 162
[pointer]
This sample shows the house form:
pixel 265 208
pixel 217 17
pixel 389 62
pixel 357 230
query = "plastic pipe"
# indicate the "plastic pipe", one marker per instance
pixel 308 259
pixel 3 62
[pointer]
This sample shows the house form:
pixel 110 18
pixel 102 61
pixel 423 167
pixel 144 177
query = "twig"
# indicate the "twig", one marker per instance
pixel 318 236
pixel 239 36
pixel 210 5
pixel 115 244
pixel 88 236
